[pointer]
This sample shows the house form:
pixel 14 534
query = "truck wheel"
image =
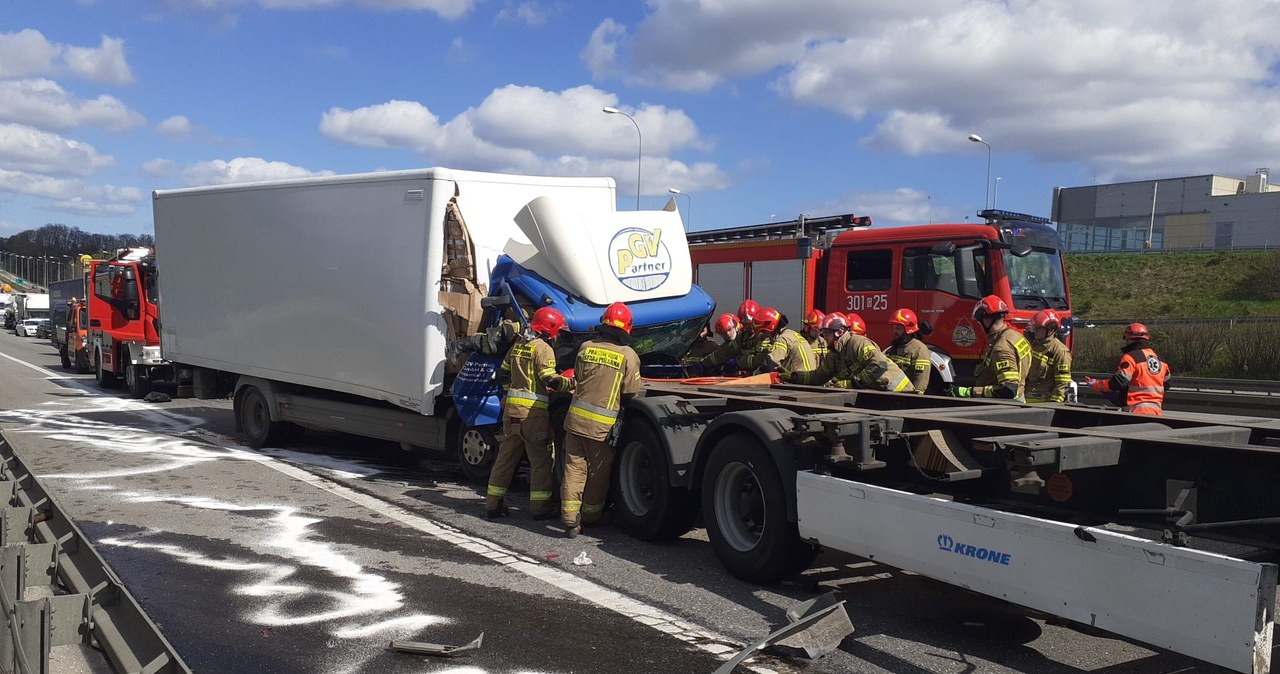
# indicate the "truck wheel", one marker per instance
pixel 137 385
pixel 745 508
pixel 105 379
pixel 646 504
pixel 82 362
pixel 476 451
pixel 255 420
pixel 66 360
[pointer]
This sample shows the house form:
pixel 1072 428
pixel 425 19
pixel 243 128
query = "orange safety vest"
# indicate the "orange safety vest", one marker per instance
pixel 1140 380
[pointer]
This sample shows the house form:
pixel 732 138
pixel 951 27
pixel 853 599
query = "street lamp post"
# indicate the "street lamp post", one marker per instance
pixel 688 214
pixel 986 187
pixel 639 147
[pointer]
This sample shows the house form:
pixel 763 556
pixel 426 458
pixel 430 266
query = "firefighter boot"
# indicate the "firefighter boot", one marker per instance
pixel 495 513
pixel 572 530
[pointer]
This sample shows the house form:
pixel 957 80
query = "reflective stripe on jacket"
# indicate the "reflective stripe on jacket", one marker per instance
pixel 605 371
pixel 1140 380
pixel 531 366
pixel 1050 373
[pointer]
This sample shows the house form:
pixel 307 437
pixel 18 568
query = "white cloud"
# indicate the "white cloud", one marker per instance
pixel 901 206
pixel 530 13
pixel 243 170
pixel 159 168
pixel 1111 85
pixel 45 104
pixel 26 149
pixel 530 130
pixel 73 196
pixel 177 126
pixel 28 52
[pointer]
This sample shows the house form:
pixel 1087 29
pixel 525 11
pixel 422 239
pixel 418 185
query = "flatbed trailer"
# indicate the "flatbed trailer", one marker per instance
pixel 1037 505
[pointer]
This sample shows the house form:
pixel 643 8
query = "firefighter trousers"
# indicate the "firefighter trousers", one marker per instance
pixel 587 465
pixel 520 438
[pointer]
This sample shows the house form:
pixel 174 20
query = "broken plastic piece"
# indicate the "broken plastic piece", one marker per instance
pixel 444 650
pixel 582 559
pixel 803 617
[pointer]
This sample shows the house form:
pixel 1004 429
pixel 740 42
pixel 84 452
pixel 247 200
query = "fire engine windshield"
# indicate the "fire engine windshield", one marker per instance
pixel 1036 280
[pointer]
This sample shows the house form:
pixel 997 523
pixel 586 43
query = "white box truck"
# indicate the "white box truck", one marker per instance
pixel 331 302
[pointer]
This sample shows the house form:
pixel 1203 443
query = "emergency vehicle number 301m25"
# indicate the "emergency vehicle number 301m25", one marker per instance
pixel 877 302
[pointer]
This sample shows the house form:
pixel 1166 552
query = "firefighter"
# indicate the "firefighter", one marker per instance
pixel 1139 382
pixel 854 361
pixel 812 331
pixel 608 375
pixel 703 345
pixel 1050 374
pixel 743 343
pixel 530 368
pixel 783 350
pixel 1002 372
pixel 907 351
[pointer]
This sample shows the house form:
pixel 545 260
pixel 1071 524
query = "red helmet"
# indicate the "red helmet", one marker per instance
pixel 767 320
pixel 989 306
pixel 907 319
pixel 547 322
pixel 856 325
pixel 1136 331
pixel 834 321
pixel 747 311
pixel 1047 319
pixel 617 315
pixel 725 323
pixel 814 318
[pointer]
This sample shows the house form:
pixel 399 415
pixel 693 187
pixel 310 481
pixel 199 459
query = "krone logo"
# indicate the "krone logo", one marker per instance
pixel 639 258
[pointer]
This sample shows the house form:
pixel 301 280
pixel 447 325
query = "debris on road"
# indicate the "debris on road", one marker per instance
pixel 443 650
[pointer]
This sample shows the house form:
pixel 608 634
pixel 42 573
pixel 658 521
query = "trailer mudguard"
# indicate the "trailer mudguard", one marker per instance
pixel 677 427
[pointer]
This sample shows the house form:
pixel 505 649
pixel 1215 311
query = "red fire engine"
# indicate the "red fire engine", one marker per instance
pixel 841 263
pixel 124 337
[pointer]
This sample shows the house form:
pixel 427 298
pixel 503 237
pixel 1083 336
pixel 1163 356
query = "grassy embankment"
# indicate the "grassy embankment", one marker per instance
pixel 1160 288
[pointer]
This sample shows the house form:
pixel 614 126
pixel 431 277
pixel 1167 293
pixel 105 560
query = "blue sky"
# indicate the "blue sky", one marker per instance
pixel 759 110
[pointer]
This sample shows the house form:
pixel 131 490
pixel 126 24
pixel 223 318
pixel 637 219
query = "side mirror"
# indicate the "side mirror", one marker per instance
pixel 945 249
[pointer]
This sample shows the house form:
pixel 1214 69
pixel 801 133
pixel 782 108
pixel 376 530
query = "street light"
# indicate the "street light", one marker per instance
pixel 639 147
pixel 688 214
pixel 986 187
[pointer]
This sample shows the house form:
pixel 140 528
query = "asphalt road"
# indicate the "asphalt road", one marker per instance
pixel 313 559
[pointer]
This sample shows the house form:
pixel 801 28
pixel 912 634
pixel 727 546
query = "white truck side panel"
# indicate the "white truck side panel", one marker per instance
pixel 1201 604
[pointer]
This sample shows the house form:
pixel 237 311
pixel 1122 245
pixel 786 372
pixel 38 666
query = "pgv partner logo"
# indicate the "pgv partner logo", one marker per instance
pixel 640 258
pixel 949 544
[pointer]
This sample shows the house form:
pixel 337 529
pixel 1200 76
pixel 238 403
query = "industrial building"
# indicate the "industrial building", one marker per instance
pixel 1192 213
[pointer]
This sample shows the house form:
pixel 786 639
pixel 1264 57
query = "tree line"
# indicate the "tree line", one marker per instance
pixel 56 240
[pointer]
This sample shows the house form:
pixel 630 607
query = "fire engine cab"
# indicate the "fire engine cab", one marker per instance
pixel 842 263
pixel 123 335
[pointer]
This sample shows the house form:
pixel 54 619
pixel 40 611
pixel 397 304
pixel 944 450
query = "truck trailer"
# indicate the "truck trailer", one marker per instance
pixel 333 303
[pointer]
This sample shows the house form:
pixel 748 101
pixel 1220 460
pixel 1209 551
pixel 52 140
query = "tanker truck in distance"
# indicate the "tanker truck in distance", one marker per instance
pixel 336 303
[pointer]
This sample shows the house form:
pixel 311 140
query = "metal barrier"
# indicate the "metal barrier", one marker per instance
pixel 41 546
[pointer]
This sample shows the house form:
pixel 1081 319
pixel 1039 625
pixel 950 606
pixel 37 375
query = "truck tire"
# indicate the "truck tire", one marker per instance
pixel 82 362
pixel 645 503
pixel 137 385
pixel 66 360
pixel 476 450
pixel 745 509
pixel 255 420
pixel 106 380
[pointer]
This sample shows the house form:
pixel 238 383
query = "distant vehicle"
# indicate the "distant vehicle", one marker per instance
pixel 27 328
pixel 44 328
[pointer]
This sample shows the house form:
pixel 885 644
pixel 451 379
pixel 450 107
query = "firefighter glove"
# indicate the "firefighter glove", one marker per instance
pixel 962 392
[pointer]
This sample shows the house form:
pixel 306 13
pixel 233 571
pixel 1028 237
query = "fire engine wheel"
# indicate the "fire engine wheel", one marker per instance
pixel 476 451
pixel 105 379
pixel 255 420
pixel 745 508
pixel 137 385
pixel 646 504
pixel 66 360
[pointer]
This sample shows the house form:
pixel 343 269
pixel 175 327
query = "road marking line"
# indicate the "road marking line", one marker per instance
pixel 649 616
pixel 49 373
